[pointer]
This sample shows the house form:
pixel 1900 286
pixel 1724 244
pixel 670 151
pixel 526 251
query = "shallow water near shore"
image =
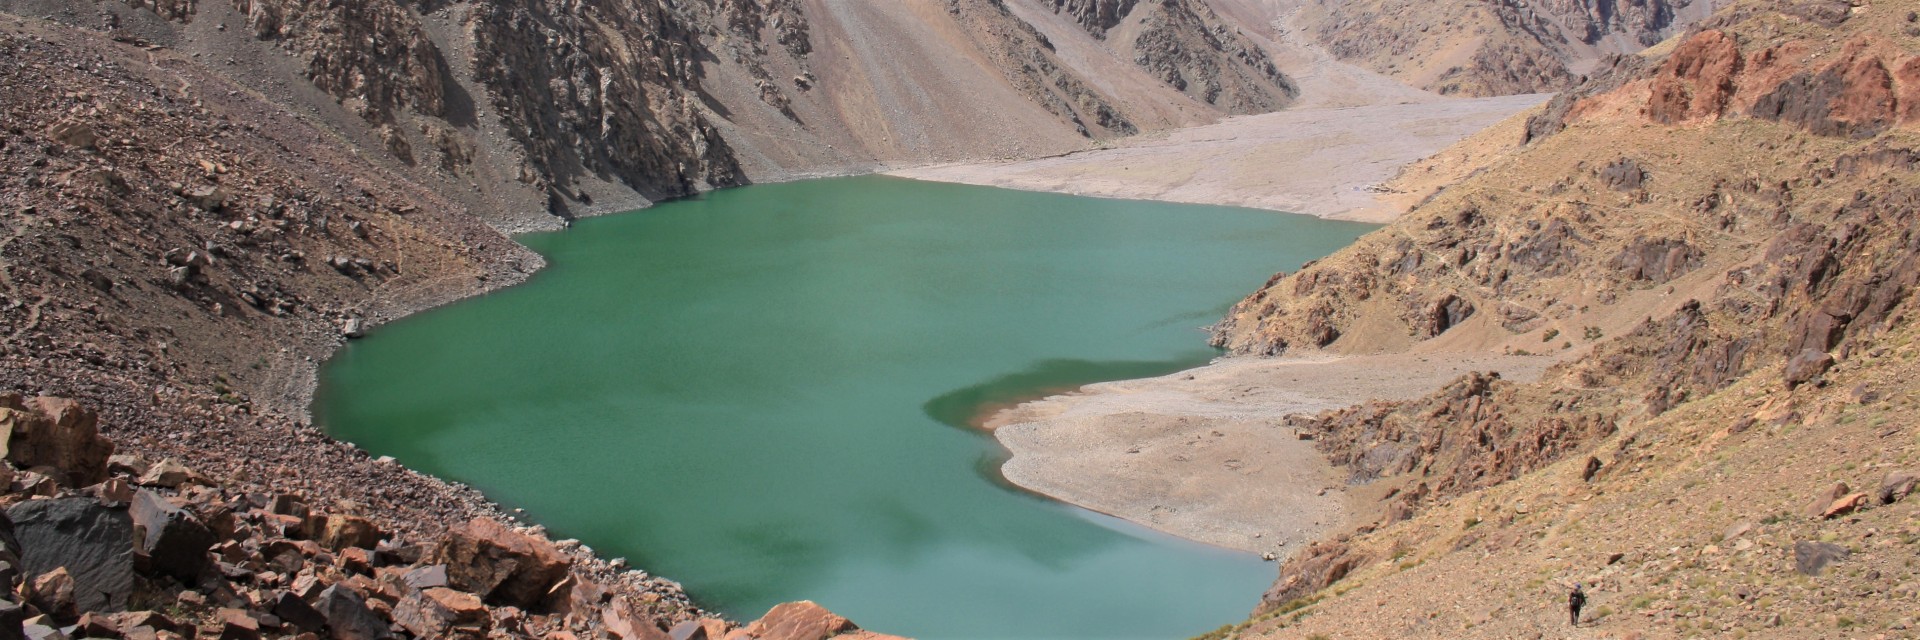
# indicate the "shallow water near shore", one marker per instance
pixel 755 392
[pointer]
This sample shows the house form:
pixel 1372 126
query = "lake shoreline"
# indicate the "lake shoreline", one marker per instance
pixel 1204 455
pixel 1324 162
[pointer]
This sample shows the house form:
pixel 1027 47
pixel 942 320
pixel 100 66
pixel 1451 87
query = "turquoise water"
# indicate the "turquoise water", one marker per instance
pixel 763 392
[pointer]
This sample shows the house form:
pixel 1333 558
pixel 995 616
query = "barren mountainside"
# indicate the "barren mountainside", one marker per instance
pixel 1493 48
pixel 1714 239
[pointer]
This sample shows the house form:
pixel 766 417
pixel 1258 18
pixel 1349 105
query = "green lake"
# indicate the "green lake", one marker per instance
pixel 763 394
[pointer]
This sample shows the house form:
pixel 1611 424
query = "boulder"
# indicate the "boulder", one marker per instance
pixel 170 474
pixel 465 607
pixel 801 620
pixel 92 541
pixel 52 594
pixel 1810 557
pixel 349 532
pixel 1806 366
pixel 149 619
pixel 426 577
pixel 294 611
pixel 702 629
pixel 426 617
pixel 237 624
pixel 503 566
pixel 348 617
pixel 625 623
pixel 1821 501
pixel 114 490
pixel 1844 505
pixel 54 432
pixel 1897 485
pixel 132 465
pixel 94 625
pixel 173 540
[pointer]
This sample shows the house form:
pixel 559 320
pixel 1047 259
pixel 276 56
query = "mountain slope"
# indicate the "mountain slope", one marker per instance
pixel 1715 239
pixel 1491 48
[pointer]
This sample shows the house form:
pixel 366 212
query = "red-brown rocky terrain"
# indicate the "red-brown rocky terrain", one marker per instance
pixel 1715 239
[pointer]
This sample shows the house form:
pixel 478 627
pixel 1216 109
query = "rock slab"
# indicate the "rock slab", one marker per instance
pixel 92 541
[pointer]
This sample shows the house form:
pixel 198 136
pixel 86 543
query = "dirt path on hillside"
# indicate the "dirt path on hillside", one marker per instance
pixel 1204 453
pixel 1319 162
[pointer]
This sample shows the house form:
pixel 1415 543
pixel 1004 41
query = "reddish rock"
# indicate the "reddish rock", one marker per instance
pixel 702 629
pixel 54 432
pixel 801 620
pixel 1844 505
pixel 356 560
pixel 349 532
pixel 113 491
pixel 170 474
pixel 422 616
pixel 237 624
pixel 466 607
pixel 1318 566
pixel 52 593
pixel 95 625
pixel 501 565
pixel 625 623
pixel 1824 499
pixel 1697 81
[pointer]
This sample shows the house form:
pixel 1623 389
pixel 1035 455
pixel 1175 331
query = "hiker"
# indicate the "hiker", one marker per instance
pixel 1576 600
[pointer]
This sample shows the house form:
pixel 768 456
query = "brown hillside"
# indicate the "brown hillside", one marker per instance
pixel 1717 239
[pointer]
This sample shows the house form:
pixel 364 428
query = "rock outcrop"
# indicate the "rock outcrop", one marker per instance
pixel 1187 45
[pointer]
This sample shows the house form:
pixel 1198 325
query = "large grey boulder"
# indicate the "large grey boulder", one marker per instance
pixel 94 543
pixel 173 540
pixel 348 617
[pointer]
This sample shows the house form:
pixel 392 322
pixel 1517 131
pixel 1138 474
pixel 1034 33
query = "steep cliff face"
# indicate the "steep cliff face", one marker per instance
pixel 1189 46
pixel 1493 48
pixel 371 56
pixel 1096 15
pixel 1715 240
pixel 582 95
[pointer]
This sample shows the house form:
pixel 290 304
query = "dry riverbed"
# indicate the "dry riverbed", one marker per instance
pixel 1204 453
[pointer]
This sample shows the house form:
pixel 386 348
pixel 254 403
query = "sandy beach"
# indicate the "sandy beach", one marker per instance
pixel 1204 453
pixel 1327 162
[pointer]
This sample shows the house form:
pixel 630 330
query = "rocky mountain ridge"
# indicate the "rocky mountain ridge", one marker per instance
pixel 1492 48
